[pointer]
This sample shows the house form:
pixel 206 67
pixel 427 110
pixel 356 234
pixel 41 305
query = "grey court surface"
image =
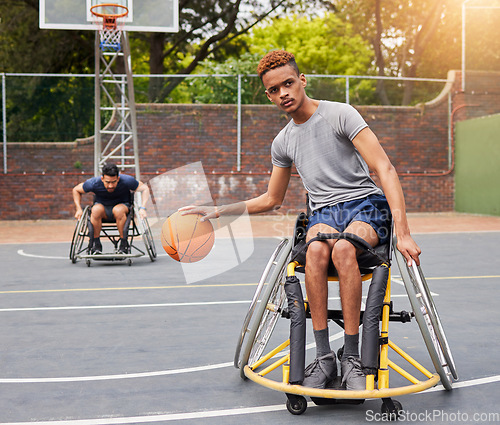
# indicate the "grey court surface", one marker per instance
pixel 113 344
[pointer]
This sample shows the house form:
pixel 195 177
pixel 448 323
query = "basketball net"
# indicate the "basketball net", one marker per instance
pixel 112 20
pixel 110 39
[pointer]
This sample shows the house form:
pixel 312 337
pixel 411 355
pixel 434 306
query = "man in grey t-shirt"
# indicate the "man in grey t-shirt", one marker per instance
pixel 331 168
pixel 332 149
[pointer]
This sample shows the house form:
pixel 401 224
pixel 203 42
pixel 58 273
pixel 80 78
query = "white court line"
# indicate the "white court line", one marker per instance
pixel 50 257
pixel 400 282
pixel 338 335
pixel 98 307
pixel 465 384
pixel 221 413
pixel 334 337
pixel 113 377
pixel 161 418
pixel 119 306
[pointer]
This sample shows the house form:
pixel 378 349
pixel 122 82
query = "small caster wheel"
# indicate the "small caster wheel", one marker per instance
pixel 296 404
pixel 129 262
pixel 391 409
pixel 87 262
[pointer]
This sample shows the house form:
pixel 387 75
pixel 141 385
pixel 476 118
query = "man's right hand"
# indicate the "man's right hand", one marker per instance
pixel 208 212
pixel 78 213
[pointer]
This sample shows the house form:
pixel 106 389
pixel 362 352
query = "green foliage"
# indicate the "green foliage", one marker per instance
pixel 206 27
pixel 322 45
pixel 49 108
pixel 423 39
pixel 145 86
pixel 45 108
pixel 26 48
pixel 225 89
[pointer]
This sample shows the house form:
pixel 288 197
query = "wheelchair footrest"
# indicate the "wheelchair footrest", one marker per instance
pixel 336 384
pixel 108 256
pixel 331 401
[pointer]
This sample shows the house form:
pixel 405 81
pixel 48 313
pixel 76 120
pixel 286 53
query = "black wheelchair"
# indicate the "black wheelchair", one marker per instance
pixel 279 296
pixel 135 227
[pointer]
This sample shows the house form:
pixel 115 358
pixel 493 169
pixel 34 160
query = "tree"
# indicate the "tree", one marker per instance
pixel 45 108
pixel 322 44
pixel 225 89
pixel 482 35
pixel 26 48
pixel 206 26
pixel 417 37
pixel 401 32
pixel 325 45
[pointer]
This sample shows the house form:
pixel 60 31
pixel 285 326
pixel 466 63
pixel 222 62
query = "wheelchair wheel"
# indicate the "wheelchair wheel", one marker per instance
pixel 428 320
pixel 391 409
pixel 256 298
pixel 79 235
pixel 296 404
pixel 265 308
pixel 147 238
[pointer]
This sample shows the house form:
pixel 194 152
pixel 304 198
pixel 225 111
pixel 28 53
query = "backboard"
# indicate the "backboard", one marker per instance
pixel 143 16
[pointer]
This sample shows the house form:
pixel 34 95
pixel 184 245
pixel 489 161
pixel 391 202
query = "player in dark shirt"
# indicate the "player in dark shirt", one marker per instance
pixel 112 201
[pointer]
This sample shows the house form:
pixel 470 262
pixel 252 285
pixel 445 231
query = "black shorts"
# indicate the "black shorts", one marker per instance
pixel 109 210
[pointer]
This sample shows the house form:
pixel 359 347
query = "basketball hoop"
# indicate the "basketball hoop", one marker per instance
pixel 111 15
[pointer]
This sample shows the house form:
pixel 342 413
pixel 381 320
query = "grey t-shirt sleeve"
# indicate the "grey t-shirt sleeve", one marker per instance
pixel 349 121
pixel 279 157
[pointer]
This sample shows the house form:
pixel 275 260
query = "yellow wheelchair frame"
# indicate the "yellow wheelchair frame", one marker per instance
pixel 269 304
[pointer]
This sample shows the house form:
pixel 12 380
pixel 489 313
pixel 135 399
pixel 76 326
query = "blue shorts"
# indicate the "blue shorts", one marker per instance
pixel 373 210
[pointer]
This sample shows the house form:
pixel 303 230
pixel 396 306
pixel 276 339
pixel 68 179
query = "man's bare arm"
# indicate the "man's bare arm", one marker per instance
pixel 370 149
pixel 77 199
pixel 268 201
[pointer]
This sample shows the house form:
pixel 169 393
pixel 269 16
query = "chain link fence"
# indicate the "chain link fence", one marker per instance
pixel 60 107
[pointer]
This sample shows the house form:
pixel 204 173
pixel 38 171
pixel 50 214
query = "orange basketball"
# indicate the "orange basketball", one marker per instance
pixel 187 239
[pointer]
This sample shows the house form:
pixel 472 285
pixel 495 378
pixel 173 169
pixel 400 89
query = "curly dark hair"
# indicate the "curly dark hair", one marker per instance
pixel 276 59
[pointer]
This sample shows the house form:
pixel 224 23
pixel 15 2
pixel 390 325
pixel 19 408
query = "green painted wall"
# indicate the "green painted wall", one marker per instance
pixel 477 166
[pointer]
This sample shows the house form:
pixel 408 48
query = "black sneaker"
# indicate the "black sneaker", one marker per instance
pixel 353 378
pixel 96 247
pixel 321 372
pixel 124 247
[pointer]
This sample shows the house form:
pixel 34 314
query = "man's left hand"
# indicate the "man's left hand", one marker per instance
pixel 410 250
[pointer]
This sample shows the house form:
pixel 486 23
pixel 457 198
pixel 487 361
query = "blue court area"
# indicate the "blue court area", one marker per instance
pixel 113 344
